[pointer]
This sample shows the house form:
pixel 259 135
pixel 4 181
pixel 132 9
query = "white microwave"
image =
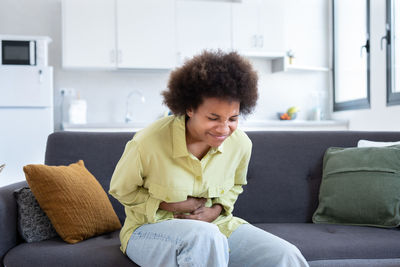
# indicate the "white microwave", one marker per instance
pixel 24 50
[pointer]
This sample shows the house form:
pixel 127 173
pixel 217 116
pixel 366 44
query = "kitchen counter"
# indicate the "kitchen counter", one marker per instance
pixel 106 127
pixel 294 125
pixel 265 125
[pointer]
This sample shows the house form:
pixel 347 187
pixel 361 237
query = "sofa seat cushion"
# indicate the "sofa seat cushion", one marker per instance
pixel 98 251
pixel 317 242
pixel 328 241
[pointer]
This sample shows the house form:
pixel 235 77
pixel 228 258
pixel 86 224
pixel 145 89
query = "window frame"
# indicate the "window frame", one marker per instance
pixel 392 98
pixel 362 103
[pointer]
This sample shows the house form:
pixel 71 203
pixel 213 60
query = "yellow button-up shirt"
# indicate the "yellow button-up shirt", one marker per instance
pixel 156 166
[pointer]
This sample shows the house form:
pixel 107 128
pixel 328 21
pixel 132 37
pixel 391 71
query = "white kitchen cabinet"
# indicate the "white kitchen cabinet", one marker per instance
pixel 110 34
pixel 202 25
pixel 258 26
pixel 146 34
pixel 88 29
pixel 158 34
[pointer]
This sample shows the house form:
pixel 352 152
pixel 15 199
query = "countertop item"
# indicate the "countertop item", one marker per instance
pixel 260 125
pixel 78 111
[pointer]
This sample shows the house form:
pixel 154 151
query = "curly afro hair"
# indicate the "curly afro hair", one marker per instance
pixel 212 74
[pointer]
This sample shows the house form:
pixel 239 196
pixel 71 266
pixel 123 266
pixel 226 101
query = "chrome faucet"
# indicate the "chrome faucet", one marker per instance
pixel 128 114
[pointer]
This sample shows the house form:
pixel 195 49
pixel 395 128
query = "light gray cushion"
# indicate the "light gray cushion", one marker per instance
pixel 367 143
pixel 33 223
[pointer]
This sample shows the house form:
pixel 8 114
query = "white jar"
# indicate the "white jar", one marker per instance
pixel 77 111
pixel 316 114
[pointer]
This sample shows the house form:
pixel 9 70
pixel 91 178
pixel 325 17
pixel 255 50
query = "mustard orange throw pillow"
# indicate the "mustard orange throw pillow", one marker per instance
pixel 73 199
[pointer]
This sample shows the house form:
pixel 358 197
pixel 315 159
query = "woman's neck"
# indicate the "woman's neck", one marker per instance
pixel 195 145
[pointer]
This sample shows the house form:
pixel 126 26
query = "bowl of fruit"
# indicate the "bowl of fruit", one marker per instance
pixel 290 114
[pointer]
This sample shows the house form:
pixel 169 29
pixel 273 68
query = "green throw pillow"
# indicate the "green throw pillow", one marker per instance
pixel 360 186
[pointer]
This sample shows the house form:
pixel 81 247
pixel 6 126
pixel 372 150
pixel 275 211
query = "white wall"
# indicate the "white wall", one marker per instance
pixel 105 91
pixel 379 117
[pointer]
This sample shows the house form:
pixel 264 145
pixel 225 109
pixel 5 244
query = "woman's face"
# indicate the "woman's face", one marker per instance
pixel 213 121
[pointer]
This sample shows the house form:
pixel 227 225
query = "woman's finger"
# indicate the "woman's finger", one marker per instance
pixel 185 216
pixel 199 210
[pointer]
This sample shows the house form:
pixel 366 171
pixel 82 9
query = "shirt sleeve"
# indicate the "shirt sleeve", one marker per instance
pixel 127 185
pixel 229 198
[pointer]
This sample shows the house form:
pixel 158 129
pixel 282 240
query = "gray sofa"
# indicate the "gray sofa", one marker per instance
pixel 281 196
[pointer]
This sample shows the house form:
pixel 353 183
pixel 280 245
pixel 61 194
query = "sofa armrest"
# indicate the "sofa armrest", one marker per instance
pixel 8 218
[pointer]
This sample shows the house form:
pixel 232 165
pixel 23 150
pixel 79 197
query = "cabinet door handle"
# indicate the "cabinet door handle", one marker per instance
pixel 112 56
pixel 119 56
pixel 255 40
pixel 260 41
pixel 40 76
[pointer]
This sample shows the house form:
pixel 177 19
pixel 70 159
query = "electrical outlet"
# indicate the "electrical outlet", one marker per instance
pixel 67 91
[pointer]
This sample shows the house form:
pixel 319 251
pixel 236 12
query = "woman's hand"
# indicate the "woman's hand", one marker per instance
pixel 188 206
pixel 203 214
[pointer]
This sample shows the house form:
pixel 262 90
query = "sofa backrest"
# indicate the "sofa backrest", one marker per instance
pixel 285 172
pixel 283 178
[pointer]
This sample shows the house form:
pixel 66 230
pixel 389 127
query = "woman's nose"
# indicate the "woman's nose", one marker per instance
pixel 223 128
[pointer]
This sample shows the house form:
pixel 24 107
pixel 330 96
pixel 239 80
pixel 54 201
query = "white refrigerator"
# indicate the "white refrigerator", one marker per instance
pixel 26 118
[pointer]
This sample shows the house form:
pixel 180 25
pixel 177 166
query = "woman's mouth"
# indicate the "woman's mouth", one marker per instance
pixel 219 137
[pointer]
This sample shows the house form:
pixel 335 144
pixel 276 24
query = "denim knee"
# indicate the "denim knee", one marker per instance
pixel 205 245
pixel 290 252
pixel 206 232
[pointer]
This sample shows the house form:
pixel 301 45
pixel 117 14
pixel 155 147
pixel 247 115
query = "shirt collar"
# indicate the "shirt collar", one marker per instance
pixel 219 149
pixel 179 148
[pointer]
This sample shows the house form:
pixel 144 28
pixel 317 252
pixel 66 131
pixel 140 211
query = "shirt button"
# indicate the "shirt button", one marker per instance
pixel 222 191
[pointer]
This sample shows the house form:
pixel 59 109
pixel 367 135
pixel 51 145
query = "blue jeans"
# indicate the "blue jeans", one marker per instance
pixel 181 242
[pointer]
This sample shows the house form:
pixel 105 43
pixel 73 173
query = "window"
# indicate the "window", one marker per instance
pixel 351 57
pixel 393 51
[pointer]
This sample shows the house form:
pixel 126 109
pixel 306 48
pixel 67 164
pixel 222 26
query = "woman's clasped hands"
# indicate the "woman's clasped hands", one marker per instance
pixel 193 208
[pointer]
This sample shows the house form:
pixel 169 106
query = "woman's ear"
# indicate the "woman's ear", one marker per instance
pixel 189 112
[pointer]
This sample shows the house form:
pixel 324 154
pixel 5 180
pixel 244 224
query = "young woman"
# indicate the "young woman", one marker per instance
pixel 180 177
